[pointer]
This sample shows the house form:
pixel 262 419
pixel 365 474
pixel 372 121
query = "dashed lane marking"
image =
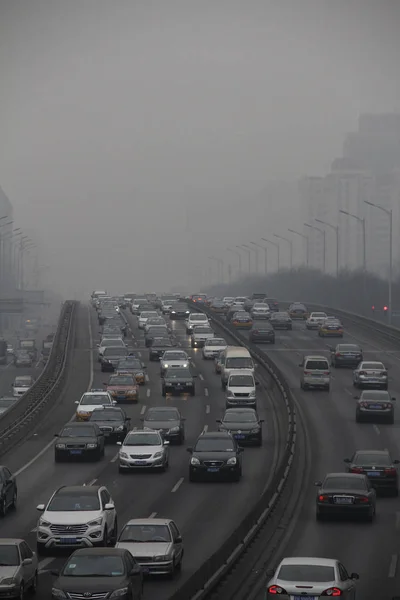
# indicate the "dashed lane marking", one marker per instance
pixel 93 481
pixel 205 428
pixel 153 515
pixel 206 391
pixel 143 409
pixel 146 378
pixel 376 429
pixel 201 377
pixel 177 485
pixel 148 393
pixel 207 409
pixel 46 561
pixel 349 392
pixel 393 565
pixel 115 458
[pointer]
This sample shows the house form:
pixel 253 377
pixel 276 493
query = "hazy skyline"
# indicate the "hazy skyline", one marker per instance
pixel 129 128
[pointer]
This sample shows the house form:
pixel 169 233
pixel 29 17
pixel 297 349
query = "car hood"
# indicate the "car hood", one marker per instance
pixel 147 549
pixel 160 424
pixel 90 584
pixel 214 456
pixel 112 424
pixel 71 517
pixel 141 449
pixel 239 426
pixel 177 379
pixel 240 390
pixel 114 388
pixel 87 408
pixel 6 572
pixel 76 440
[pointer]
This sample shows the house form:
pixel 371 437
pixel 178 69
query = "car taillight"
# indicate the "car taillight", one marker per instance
pixel 363 499
pixel 276 589
pixel 255 331
pixel 363 373
pixel 390 471
pixel 326 372
pixel 323 498
pixel 364 404
pixel 334 591
pixel 338 354
pixel 356 470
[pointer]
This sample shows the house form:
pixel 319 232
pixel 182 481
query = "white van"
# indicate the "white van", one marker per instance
pixel 315 373
pixel 241 389
pixel 232 358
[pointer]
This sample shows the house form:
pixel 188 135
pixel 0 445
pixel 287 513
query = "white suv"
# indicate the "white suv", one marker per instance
pixel 196 319
pixel 77 517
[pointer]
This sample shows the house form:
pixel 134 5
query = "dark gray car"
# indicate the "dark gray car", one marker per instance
pixel 168 421
pixel 375 404
pixel 79 440
pixel 178 381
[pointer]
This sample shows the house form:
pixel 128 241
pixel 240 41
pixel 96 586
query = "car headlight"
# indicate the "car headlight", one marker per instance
pixel 173 429
pixel 252 394
pixel 9 581
pixel 119 593
pixel 123 455
pixel 132 391
pixel 161 558
pixel 92 446
pixel 255 430
pixel 96 522
pixel 194 461
pixel 185 365
pixel 173 312
pixel 164 366
pixel 158 455
pixel 232 461
pixel 56 593
pixel 44 523
pixel 140 374
pixel 60 446
pixel 119 428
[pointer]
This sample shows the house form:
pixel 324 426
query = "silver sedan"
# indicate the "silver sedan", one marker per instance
pixel 370 374
pixel 324 577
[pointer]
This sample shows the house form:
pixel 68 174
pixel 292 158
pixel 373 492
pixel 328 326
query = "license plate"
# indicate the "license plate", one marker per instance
pixel 373 474
pixel 343 500
pixel 140 462
pixel 318 376
pixel 75 451
pixel 239 437
pixel 375 406
pixel 68 540
pixel 304 598
pixel 213 469
pixel 121 397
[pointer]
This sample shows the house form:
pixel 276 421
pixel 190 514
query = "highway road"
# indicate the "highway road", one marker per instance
pixel 372 550
pixel 205 512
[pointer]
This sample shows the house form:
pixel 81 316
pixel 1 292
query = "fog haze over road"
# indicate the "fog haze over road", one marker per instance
pixel 132 133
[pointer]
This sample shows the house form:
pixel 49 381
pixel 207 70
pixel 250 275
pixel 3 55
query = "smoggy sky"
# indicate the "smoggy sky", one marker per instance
pixel 139 137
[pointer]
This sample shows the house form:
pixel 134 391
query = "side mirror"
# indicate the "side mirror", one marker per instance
pixel 218 420
pixel 261 421
pixel 393 399
pixel 347 460
pixel 76 401
pixel 356 397
pixel 109 506
pixel 257 383
pixel 166 443
pixel 105 383
pixel 190 450
pixel 12 385
pixel 135 571
pixel 396 462
pixel 354 576
pixel 119 443
pixel 144 366
pixel 318 483
pixel 26 562
pixel 56 435
pixel 183 418
pixel 178 539
pixel 40 507
pixel 55 573
pixel 194 376
pixel 98 345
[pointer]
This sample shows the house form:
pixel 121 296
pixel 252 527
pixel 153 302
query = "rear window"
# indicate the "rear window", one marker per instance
pixel 317 365
pixel 305 573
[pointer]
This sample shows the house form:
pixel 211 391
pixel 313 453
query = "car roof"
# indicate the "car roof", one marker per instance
pixel 143 431
pixel 315 357
pixel 379 452
pixel 162 408
pixel 10 541
pixel 241 372
pixel 240 409
pixel 376 393
pixel 90 490
pixel 107 408
pixel 149 521
pixel 309 560
pixel 79 424
pixel 354 476
pixel 100 552
pixel 215 434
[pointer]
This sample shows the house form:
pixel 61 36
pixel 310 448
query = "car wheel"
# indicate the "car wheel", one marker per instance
pixel 34 584
pixel 3 507
pixel 163 392
pixel 391 420
pixel 14 500
pixel 105 541
pixel 358 418
pixel 193 391
pixel 103 452
pixel 21 592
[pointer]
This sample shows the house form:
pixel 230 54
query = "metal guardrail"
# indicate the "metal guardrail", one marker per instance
pixel 210 574
pixel 26 412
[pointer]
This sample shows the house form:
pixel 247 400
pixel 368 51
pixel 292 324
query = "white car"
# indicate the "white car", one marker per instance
pixel 241 389
pixel 90 401
pixel 228 300
pixel 155 322
pixel 240 300
pixel 77 517
pixel 315 320
pixel 174 358
pixel 147 314
pixel 143 449
pixel 156 544
pixel 260 311
pixel 166 306
pixel 200 334
pixel 115 342
pixel 21 385
pixel 136 302
pixel 212 347
pixel 196 319
pixel 18 568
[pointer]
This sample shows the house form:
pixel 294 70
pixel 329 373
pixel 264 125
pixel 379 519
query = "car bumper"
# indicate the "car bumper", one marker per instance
pixel 240 402
pixel 248 438
pixel 156 568
pixel 9 591
pixel 331 333
pixel 281 325
pixel 262 339
pixel 198 343
pixel 344 510
pixel 365 382
pixel 316 381
pixel 211 354
pixel 312 325
pixel 347 362
pixel 131 463
pixel 76 454
pixel 182 389
pixel 242 325
pixel 155 356
pixel 92 540
pixel 224 472
pixel 174 316
pixel 385 415
pixel 126 399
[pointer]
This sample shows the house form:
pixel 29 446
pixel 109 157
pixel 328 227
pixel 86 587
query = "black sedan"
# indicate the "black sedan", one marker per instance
pixel 346 355
pixel 8 490
pixel 159 346
pixel 168 421
pixel 177 380
pixel 262 333
pixel 345 494
pixel 179 311
pixel 216 455
pixel 154 332
pixel 112 421
pixel 244 424
pixel 378 466
pixel 79 440
pixel 100 573
pixel 281 320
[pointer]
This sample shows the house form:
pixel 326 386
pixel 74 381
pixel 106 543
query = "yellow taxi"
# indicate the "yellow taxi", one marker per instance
pixel 297 310
pixel 331 327
pixel 242 320
pixel 90 401
pixel 123 387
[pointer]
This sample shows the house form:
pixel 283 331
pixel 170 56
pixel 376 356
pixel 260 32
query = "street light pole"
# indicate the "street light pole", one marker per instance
pixel 265 255
pixel 305 237
pixel 364 238
pixel 255 254
pixel 277 250
pixel 324 239
pixel 280 237
pixel 336 230
pixel 239 259
pixel 389 213
pixel 248 250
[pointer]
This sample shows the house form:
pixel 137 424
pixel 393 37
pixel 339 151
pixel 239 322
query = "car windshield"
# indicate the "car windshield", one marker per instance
pixel 214 445
pixel 143 439
pixel 344 483
pixel 74 501
pixel 162 415
pixel 203 330
pixel 91 399
pixel 145 533
pixel 23 381
pixel 133 363
pixel 241 381
pixel 317 365
pixel 280 315
pixel 9 556
pixel 106 415
pixel 318 315
pixel 147 315
pixel 298 307
pixel 121 351
pixel 376 395
pixel 116 342
pixel 198 318
pixel 239 362
pixel 348 348
pixel 373 366
pixel 82 565
pixel 216 342
pixel 307 573
pixel 371 458
pixel 174 356
pixel 72 431
pixel 178 373
pixel 121 380
pixel 240 417
pixel 157 329
pixel 162 343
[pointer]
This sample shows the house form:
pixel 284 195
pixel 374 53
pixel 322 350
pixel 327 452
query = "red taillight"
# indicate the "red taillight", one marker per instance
pixel 326 372
pixel 364 404
pixel 338 354
pixel 363 373
pixel 276 589
pixel 307 372
pixel 323 498
pixel 255 331
pixel 356 470
pixel 332 592
pixel 390 471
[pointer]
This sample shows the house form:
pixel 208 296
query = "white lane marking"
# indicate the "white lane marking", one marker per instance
pixel 146 378
pixel 207 409
pixel 38 363
pixel 52 442
pixel 397 519
pixel 46 561
pixel 206 391
pixel 34 530
pixel 376 429
pixel 177 485
pixel 153 514
pixel 201 377
pixel 349 392
pixel 92 482
pixel 140 354
pixel 205 428
pixel 393 565
pixel 115 458
pixel 148 393
pixel 143 409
